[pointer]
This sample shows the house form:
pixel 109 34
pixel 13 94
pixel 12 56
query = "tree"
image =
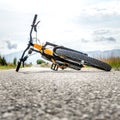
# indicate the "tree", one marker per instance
pixel 14 61
pixel 3 61
pixel 0 60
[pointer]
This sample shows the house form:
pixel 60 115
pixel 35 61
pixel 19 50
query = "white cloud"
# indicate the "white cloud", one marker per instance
pixel 103 8
pixel 64 22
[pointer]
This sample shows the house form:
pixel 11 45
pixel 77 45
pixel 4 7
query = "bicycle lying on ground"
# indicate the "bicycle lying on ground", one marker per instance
pixel 61 57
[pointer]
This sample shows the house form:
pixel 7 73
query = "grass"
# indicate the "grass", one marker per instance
pixel 7 67
pixel 11 66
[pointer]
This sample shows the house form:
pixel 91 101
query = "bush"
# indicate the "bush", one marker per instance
pixel 40 61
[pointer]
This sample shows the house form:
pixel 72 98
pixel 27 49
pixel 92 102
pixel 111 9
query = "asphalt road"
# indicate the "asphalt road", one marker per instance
pixel 42 94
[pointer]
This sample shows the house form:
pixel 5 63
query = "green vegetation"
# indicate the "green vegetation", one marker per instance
pixel 9 66
pixel 40 61
pixel 113 61
pixel 15 61
pixel 2 61
pixel 5 65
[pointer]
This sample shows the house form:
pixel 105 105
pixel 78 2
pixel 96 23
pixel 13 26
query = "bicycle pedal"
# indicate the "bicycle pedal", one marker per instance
pixel 54 67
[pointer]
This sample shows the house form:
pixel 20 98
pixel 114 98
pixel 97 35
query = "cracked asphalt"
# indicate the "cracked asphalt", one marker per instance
pixel 42 94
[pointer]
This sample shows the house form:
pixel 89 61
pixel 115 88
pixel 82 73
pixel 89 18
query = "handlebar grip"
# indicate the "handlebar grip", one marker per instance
pixel 34 20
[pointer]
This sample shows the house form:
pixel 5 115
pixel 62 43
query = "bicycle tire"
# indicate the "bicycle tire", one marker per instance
pixel 18 66
pixel 68 54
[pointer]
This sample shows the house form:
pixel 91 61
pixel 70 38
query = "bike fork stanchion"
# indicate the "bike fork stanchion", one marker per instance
pixel 54 66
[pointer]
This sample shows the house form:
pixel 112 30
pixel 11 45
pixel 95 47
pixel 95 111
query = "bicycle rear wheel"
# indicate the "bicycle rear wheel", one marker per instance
pixel 76 56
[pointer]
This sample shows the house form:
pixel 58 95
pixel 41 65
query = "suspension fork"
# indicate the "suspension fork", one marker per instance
pixel 21 59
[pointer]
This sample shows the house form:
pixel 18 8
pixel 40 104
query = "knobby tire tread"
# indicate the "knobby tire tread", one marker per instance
pixel 78 57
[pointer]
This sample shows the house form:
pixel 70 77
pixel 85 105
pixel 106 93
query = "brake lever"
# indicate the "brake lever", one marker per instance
pixel 35 26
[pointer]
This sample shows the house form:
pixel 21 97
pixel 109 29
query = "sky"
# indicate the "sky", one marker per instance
pixel 84 25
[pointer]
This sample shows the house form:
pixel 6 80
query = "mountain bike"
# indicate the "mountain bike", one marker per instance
pixel 60 56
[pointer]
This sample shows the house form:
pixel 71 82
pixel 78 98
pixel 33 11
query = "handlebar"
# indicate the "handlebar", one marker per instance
pixel 35 18
pixel 34 21
pixel 33 27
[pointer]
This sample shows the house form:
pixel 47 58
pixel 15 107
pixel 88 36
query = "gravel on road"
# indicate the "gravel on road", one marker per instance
pixel 41 94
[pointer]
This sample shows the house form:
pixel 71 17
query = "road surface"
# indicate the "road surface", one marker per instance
pixel 41 94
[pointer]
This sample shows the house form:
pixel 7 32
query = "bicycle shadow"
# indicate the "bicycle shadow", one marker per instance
pixel 90 70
